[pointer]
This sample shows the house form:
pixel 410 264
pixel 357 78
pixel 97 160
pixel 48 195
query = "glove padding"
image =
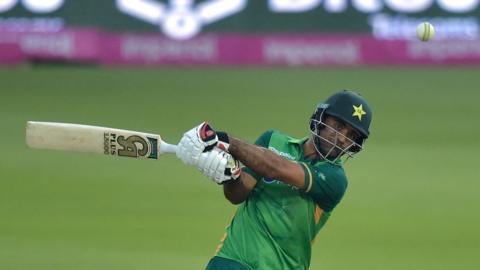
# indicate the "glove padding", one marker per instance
pixel 199 139
pixel 219 166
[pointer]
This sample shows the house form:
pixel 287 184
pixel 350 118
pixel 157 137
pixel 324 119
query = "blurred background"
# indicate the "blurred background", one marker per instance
pixel 245 66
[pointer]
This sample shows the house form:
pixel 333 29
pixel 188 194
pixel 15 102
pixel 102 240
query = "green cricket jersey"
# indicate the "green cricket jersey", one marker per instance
pixel 274 228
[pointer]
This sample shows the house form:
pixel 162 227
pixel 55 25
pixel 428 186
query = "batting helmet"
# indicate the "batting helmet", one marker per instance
pixel 349 107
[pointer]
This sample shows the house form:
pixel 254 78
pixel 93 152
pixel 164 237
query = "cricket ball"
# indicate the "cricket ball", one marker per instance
pixel 425 31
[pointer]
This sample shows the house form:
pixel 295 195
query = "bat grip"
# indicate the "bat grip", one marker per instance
pixel 168 148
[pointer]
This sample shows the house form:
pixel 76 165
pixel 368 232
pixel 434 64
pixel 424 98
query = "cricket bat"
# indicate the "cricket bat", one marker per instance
pixel 95 139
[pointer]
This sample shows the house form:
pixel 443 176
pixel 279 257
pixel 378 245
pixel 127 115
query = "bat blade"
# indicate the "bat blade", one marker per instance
pixel 95 139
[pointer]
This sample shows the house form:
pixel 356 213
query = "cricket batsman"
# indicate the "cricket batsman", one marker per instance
pixel 288 187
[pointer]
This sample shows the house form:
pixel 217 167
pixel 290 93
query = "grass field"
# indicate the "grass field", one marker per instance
pixel 413 200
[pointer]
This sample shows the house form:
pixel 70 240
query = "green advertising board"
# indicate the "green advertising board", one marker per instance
pixel 183 19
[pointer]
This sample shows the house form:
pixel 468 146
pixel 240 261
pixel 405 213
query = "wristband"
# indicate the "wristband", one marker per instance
pixel 223 141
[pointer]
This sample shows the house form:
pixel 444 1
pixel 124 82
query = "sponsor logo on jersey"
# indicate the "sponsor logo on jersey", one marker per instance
pixel 278 182
pixel 269 180
pixel 274 181
pixel 283 154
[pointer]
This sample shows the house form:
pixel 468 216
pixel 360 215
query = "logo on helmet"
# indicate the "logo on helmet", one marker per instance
pixel 358 111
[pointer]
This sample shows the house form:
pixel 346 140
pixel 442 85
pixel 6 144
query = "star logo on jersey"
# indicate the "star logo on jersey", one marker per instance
pixel 358 111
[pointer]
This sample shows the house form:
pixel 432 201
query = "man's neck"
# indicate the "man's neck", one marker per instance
pixel 309 151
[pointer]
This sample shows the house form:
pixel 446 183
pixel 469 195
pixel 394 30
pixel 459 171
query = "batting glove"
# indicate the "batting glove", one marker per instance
pixel 219 166
pixel 199 139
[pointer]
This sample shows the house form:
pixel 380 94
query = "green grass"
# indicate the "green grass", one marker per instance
pixel 413 200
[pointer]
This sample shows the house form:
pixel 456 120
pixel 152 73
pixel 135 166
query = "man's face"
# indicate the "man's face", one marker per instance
pixel 337 135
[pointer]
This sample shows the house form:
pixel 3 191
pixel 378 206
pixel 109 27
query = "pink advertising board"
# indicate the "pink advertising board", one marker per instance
pixel 11 54
pixel 90 45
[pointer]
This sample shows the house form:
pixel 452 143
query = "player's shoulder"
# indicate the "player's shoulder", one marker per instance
pixel 266 137
pixel 333 172
pixel 281 136
pixel 334 175
pixel 328 184
pixel 277 138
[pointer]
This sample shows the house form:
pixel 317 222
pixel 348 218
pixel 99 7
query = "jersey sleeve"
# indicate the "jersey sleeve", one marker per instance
pixel 263 141
pixel 326 187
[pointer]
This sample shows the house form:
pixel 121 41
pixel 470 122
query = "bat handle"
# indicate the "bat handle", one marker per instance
pixel 167 148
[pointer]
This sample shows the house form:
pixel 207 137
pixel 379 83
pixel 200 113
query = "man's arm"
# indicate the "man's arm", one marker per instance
pixel 260 160
pixel 267 163
pixel 237 191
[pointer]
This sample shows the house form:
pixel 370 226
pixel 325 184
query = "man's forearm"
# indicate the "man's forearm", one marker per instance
pixel 259 159
pixel 237 191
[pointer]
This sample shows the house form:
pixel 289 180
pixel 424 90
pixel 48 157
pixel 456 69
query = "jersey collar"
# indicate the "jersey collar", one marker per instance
pixel 300 141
